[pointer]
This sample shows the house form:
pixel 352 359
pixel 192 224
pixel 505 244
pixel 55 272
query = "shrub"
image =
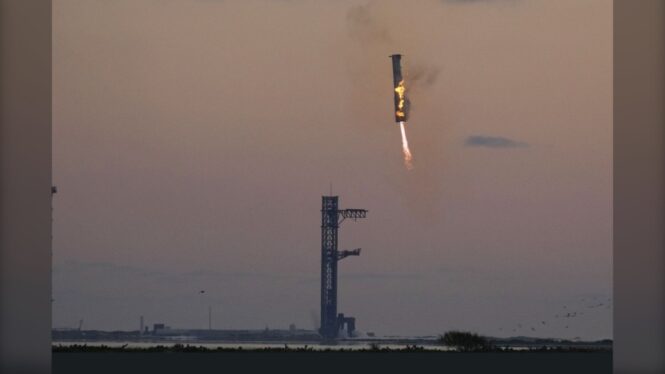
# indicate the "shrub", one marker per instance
pixel 374 346
pixel 464 341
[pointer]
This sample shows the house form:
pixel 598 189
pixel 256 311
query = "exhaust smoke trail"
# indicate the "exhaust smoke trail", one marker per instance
pixel 405 148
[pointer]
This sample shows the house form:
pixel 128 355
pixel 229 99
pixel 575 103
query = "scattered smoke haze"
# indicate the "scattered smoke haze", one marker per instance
pixel 193 140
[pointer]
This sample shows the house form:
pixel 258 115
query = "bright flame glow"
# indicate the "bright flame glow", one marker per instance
pixel 400 89
pixel 405 148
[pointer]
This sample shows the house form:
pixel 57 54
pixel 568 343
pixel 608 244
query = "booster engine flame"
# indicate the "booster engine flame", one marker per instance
pixel 405 148
pixel 400 90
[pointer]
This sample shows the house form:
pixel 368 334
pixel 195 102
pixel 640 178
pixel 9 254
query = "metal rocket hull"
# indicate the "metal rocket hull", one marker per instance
pixel 397 78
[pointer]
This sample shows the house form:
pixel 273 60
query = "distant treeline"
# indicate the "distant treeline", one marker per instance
pixel 464 341
pixel 78 348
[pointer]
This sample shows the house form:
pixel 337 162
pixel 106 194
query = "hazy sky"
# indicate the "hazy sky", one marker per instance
pixel 193 141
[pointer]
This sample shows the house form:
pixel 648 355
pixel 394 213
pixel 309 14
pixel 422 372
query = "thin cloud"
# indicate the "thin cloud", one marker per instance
pixel 493 142
pixel 475 1
pixel 480 2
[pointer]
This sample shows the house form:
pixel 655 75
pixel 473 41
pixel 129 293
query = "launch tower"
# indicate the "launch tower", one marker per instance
pixel 331 218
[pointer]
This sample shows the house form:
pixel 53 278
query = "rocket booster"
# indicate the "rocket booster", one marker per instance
pixel 401 104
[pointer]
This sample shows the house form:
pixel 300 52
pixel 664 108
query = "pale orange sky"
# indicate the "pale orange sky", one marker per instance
pixel 193 140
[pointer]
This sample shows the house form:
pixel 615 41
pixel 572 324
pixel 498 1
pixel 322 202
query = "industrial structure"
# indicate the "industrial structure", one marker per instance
pixel 331 218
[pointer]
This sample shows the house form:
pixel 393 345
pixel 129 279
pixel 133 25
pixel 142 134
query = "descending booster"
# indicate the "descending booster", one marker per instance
pixel 401 104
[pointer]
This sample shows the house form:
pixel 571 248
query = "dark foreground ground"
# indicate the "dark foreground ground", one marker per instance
pixel 312 361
